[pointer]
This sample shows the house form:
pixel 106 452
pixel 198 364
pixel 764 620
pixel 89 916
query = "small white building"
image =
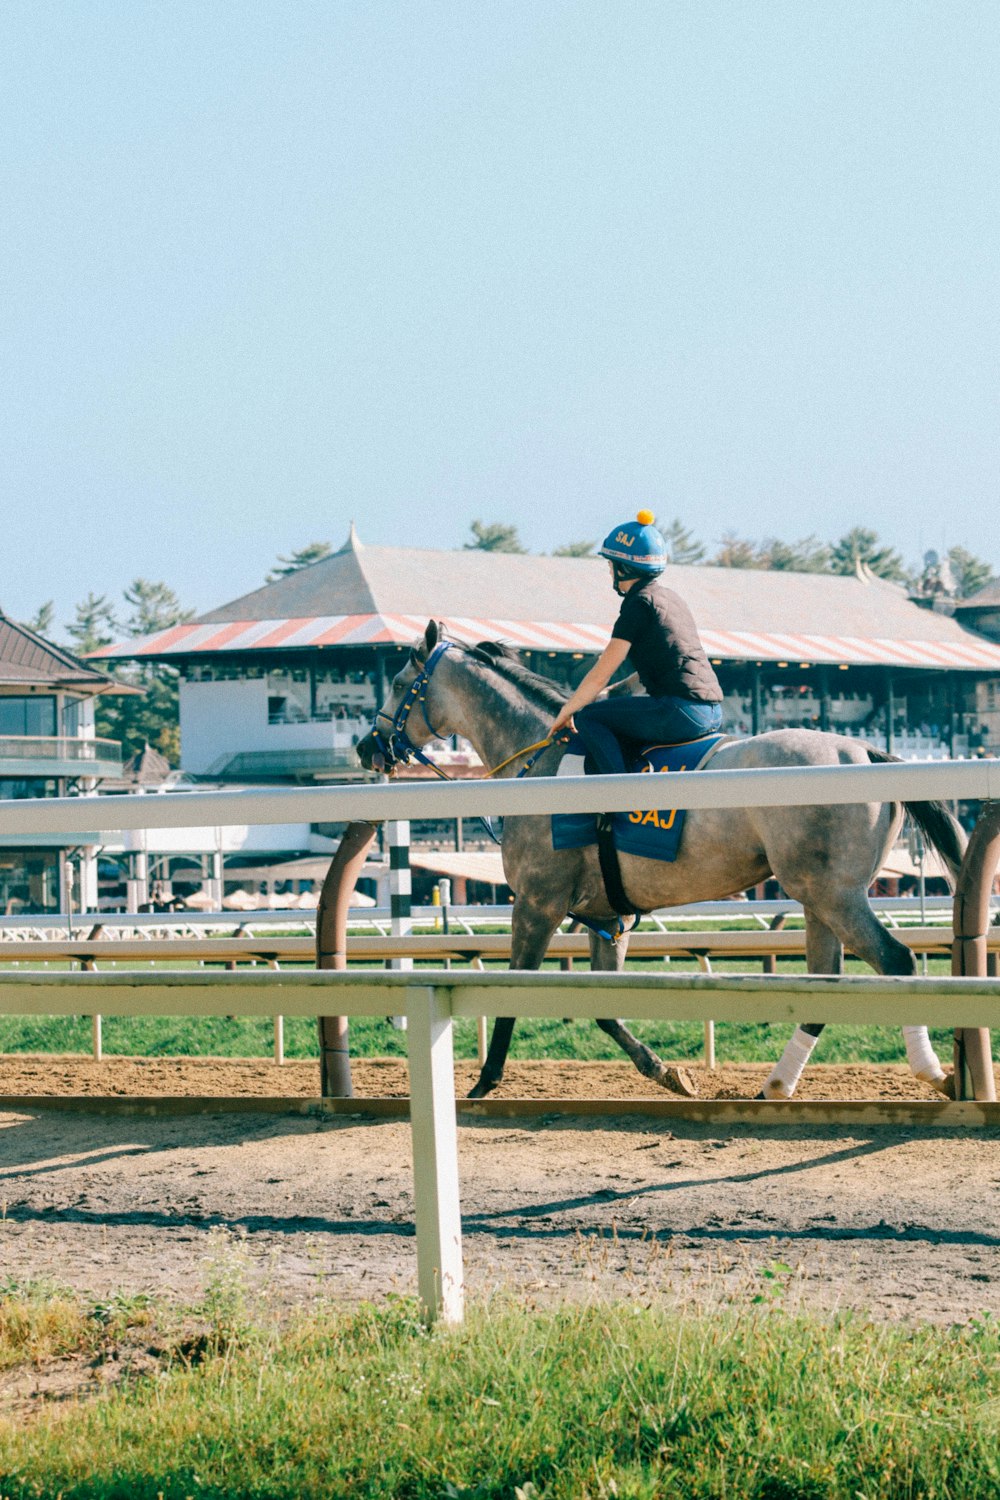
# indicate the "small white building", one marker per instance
pixel 49 748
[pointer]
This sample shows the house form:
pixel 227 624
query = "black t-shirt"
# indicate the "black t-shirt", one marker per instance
pixel 664 645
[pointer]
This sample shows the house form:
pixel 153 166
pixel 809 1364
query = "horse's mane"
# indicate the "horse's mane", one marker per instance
pixel 542 691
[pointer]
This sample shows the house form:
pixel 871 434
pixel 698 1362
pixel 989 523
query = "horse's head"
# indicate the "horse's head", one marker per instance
pixel 405 721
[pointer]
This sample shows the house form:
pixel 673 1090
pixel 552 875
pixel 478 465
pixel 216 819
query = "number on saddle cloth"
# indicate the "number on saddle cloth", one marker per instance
pixel 653 832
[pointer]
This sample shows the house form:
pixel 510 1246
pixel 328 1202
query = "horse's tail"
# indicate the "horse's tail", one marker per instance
pixel 943 832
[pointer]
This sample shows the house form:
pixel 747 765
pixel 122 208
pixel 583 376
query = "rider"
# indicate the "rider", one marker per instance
pixel 656 628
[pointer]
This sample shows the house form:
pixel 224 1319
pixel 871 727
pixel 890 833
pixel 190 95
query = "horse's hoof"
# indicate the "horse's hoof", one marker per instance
pixel 678 1081
pixel 775 1093
pixel 480 1090
pixel 944 1085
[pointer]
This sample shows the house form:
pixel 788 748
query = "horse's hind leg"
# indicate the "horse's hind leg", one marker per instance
pixel 865 935
pixel 824 955
pixel 609 957
pixel 853 922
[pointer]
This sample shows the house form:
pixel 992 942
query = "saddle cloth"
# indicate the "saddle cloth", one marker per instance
pixel 654 833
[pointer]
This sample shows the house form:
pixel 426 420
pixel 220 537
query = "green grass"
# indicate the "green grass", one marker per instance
pixel 579 1403
pixel 247 1037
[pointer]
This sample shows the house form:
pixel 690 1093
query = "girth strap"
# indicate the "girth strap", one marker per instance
pixel 611 873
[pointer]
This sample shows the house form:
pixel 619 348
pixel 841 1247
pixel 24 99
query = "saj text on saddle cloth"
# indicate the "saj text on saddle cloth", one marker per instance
pixel 652 832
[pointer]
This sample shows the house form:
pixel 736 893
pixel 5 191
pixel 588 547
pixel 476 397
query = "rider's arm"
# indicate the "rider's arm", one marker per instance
pixel 596 681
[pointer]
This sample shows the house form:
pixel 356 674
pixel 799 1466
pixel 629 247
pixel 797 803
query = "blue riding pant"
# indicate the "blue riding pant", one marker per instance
pixel 647 721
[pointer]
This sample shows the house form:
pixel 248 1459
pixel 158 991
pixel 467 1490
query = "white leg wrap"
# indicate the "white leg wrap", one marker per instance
pixel 920 1054
pixel 785 1075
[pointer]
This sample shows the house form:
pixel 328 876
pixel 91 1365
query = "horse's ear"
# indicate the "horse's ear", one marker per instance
pixel 425 647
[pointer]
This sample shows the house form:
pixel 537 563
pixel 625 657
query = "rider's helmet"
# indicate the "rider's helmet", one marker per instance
pixel 635 549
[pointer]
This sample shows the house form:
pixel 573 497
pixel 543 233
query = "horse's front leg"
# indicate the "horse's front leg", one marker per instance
pixel 609 957
pixel 532 926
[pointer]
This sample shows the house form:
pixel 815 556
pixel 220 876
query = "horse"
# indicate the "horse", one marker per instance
pixel 824 857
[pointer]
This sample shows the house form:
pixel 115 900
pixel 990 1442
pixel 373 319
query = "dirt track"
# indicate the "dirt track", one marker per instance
pixel 902 1224
pixel 387 1077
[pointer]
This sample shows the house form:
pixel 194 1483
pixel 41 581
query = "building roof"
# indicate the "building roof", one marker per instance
pixel 26 660
pixel 987 597
pixel 384 595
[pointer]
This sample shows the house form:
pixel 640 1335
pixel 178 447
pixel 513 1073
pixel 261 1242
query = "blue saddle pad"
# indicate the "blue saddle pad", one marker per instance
pixel 654 833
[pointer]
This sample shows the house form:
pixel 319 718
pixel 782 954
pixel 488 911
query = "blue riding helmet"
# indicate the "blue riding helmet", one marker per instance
pixel 637 546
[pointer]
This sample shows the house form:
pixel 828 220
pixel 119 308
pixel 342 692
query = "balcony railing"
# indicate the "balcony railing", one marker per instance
pixel 31 755
pixel 57 747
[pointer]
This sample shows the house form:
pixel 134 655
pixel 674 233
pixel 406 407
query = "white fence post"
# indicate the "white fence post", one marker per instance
pixel 434 1130
pixel 400 894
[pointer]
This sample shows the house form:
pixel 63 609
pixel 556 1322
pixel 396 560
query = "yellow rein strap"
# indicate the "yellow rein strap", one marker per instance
pixel 518 754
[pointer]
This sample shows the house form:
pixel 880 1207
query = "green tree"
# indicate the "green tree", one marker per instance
pixel 154 606
pixel 494 537
pixel 303 558
pixel 809 555
pixel 970 573
pixel 94 624
pixel 860 545
pixel 736 552
pixel 575 549
pixel 150 717
pixel 682 547
pixel 41 620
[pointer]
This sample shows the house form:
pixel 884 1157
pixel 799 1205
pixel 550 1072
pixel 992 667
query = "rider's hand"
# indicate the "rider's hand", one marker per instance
pixel 561 720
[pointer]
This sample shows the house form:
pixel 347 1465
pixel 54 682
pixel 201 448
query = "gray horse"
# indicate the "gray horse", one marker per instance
pixel 824 857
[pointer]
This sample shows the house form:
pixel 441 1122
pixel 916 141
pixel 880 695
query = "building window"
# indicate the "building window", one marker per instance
pixel 34 786
pixel 31 716
pixel 29 881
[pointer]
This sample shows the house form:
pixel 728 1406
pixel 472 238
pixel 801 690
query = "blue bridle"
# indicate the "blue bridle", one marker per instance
pixel 396 747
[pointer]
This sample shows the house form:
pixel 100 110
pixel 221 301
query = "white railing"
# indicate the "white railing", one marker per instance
pixel 437 999
pixel 896 909
pixel 432 1005
pixel 794 786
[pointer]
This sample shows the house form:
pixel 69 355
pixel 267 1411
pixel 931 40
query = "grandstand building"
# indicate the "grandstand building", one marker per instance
pixel 279 684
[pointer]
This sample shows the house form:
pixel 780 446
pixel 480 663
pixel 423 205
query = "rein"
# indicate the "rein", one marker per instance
pixel 396 747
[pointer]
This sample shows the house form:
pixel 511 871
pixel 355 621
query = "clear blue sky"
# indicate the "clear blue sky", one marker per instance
pixel 270 266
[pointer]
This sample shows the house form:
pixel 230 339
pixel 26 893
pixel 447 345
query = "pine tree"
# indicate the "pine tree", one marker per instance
pixel 154 718
pixel 94 624
pixel 155 607
pixel 494 537
pixel 970 573
pixel 575 549
pixel 809 555
pixel 860 545
pixel 736 552
pixel 41 620
pixel 682 547
pixel 304 558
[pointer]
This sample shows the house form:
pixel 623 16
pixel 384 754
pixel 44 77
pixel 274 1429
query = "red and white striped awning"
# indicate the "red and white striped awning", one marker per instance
pixel 969 653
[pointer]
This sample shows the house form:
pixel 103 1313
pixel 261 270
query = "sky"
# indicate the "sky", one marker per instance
pixel 268 268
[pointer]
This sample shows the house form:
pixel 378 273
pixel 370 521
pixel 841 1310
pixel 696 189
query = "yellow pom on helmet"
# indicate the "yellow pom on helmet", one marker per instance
pixel 637 545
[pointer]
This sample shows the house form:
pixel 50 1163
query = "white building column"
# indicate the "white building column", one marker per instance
pixel 87 895
pixel 137 885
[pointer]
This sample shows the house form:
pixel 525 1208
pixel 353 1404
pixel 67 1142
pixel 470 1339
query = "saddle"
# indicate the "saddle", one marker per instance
pixel 651 832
